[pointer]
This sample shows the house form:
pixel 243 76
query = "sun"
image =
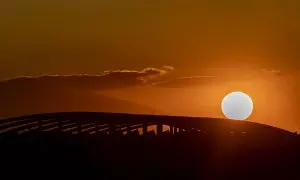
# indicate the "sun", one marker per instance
pixel 237 106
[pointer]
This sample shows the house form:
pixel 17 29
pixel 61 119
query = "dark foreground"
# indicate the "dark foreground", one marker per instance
pixel 184 155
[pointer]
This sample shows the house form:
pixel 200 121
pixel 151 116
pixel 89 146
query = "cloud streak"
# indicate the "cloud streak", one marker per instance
pixel 196 81
pixel 54 93
pixel 105 80
pixel 185 82
pixel 272 71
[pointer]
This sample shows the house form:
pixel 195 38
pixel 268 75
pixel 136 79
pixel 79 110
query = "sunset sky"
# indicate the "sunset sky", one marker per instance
pixel 199 52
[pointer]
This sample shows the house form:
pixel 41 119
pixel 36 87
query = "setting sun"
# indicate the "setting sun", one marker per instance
pixel 237 106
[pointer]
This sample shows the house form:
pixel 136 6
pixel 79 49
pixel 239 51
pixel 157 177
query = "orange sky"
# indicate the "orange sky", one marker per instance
pixel 63 36
pixel 274 99
pixel 243 44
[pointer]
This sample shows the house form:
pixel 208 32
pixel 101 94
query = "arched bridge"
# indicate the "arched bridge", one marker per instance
pixel 118 123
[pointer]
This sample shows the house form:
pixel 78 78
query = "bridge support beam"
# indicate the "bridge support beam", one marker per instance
pixel 159 129
pixel 60 126
pixel 112 129
pixel 172 129
pixel 79 128
pixel 145 129
pixel 96 127
pixel 40 125
pixel 128 129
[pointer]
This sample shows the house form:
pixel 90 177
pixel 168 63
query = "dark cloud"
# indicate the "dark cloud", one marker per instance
pixel 105 80
pixel 54 93
pixel 185 82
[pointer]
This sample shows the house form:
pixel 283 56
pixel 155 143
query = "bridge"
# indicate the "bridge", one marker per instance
pixel 120 123
pixel 132 145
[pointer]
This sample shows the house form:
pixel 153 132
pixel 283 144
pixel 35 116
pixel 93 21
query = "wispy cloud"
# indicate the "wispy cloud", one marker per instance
pixel 184 82
pixel 272 71
pixel 106 79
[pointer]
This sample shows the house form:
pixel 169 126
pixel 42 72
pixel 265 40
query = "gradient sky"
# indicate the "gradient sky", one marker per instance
pixel 90 36
pixel 229 39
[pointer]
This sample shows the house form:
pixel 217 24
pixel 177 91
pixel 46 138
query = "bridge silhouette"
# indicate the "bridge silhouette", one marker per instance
pixel 117 145
pixel 120 123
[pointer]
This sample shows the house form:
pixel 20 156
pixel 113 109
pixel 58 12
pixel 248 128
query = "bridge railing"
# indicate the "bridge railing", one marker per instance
pixel 92 122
